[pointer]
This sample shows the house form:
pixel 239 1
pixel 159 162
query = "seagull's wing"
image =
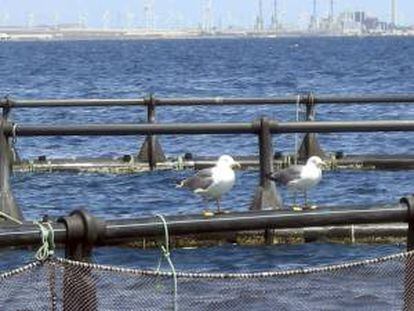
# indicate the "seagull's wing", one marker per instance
pixel 287 175
pixel 202 180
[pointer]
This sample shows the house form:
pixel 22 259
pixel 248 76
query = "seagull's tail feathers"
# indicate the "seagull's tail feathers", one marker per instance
pixel 180 184
pixel 274 176
pixel 199 191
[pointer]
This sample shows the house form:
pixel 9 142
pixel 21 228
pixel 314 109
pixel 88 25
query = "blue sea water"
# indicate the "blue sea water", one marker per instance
pixel 200 68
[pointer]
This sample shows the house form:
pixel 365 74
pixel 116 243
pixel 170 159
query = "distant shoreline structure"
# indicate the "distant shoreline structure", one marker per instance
pixel 65 34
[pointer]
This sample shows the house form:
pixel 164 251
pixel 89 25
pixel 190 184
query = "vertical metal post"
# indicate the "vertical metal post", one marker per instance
pixel 151 138
pixel 266 196
pixel 266 166
pixel 8 204
pixel 265 152
pixel 310 145
pixel 409 260
pixel 309 117
pixel 151 151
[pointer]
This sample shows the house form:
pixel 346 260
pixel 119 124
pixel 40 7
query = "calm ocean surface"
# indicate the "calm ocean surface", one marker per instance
pixel 188 68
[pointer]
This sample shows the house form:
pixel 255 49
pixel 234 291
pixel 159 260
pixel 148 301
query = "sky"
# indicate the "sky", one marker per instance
pixel 185 13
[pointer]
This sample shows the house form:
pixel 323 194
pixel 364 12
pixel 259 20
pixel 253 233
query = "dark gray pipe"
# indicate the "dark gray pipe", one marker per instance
pixel 266 195
pixel 28 103
pixel 291 99
pixel 219 101
pixel 124 229
pixel 254 221
pixel 209 128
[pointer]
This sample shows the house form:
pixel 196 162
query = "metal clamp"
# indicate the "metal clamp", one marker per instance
pixel 409 202
pixel 82 230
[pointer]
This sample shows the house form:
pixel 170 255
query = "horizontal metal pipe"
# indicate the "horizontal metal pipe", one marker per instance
pixel 132 129
pixel 291 99
pixel 252 221
pixel 125 229
pixel 343 126
pixel 365 99
pixel 281 100
pixel 25 103
pixel 28 234
pixel 208 128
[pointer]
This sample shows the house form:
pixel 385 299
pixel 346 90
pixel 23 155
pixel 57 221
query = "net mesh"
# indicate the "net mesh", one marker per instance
pixel 385 283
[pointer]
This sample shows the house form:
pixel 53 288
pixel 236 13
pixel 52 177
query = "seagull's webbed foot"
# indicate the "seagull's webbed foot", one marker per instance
pixel 208 213
pixel 310 206
pixel 219 210
pixel 296 207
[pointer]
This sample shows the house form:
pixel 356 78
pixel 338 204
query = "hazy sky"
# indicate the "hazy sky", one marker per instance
pixel 120 13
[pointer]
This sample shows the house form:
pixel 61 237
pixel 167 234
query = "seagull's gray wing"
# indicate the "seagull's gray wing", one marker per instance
pixel 202 180
pixel 287 175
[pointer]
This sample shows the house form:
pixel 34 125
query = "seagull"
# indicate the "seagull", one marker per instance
pixel 214 182
pixel 300 177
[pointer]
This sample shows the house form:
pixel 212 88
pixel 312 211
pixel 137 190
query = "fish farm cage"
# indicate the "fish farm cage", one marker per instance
pixel 76 283
pixel 151 154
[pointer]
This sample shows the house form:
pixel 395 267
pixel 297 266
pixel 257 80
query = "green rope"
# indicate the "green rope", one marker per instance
pixel 48 241
pixel 11 218
pixel 166 254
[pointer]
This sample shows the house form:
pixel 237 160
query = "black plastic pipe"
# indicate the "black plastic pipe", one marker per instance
pixel 208 128
pixel 29 103
pixel 252 221
pixel 127 229
pixel 282 100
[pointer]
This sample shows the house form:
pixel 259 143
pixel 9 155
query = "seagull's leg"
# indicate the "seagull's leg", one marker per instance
pixel 218 206
pixel 206 211
pixel 296 207
pixel 295 198
pixel 306 198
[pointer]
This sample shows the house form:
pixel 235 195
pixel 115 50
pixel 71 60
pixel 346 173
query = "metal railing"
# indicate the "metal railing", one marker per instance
pixel 266 195
pixel 151 151
pixel 208 128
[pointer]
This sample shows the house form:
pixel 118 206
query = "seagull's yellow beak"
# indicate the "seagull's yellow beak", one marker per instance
pixel 236 165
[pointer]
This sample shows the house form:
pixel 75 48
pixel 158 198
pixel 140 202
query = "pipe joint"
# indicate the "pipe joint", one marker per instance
pixel 83 228
pixel 409 202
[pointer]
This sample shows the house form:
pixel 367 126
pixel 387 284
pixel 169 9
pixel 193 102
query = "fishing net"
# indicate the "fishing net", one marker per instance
pixel 384 283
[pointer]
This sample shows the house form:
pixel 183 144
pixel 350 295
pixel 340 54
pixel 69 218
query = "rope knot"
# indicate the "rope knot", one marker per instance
pixel 48 241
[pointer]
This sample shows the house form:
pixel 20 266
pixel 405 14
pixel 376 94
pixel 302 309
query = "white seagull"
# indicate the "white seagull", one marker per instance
pixel 212 183
pixel 300 177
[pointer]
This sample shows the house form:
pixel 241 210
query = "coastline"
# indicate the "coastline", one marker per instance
pixel 69 34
